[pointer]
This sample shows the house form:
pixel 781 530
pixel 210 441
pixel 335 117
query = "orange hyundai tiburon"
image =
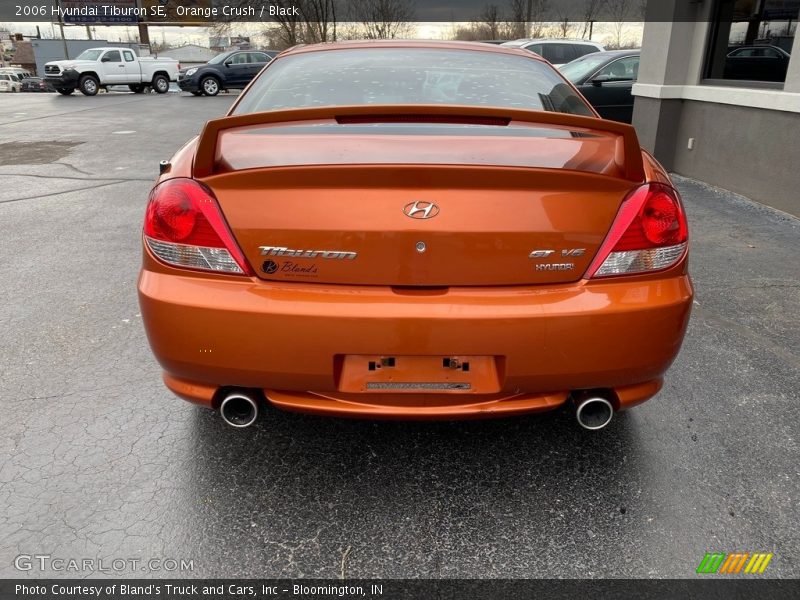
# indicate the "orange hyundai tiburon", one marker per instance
pixel 414 230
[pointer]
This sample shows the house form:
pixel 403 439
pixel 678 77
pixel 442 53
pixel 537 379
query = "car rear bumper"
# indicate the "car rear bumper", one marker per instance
pixel 291 340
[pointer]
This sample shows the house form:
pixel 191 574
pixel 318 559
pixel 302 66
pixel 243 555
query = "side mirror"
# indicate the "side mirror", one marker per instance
pixel 105 59
pixel 228 63
pixel 600 80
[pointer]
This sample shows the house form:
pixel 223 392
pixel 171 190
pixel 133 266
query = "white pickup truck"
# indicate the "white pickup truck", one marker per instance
pixel 101 67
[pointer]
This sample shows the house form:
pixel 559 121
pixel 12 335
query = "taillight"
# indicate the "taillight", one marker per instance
pixel 648 234
pixel 184 227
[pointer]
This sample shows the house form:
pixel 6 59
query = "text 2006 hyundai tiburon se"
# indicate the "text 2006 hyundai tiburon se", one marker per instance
pixel 414 230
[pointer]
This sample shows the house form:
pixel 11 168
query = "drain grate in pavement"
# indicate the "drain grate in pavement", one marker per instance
pixel 34 153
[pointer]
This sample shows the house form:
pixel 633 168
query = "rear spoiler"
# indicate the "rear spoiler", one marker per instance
pixel 629 154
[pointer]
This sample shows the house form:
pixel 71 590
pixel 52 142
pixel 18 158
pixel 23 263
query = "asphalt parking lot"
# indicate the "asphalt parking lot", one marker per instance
pixel 99 460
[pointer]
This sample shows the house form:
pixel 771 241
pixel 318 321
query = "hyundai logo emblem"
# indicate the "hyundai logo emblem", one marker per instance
pixel 421 209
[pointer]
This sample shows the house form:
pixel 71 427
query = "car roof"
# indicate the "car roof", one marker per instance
pixel 748 46
pixel 429 44
pixel 614 53
pixel 524 41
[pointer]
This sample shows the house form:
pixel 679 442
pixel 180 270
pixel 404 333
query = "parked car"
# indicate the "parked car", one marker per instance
pixel 605 79
pixel 229 71
pixel 557 51
pixel 757 63
pixel 9 83
pixel 409 229
pixel 19 72
pixel 36 84
pixel 98 68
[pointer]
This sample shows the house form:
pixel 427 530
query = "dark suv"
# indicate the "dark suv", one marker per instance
pixel 228 71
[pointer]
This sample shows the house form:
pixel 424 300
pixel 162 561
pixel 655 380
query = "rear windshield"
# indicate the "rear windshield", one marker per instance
pixel 410 76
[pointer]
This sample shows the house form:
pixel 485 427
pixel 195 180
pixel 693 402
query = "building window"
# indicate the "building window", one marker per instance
pixel 751 41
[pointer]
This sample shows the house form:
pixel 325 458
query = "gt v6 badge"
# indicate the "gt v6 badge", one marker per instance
pixel 564 253
pixel 289 252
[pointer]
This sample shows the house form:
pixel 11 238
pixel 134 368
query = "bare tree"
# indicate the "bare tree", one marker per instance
pixel 618 11
pixel 478 31
pixel 536 14
pixel 591 8
pixel 516 23
pixel 383 19
pixel 527 18
pixel 315 21
pixel 219 29
pixel 564 27
pixel 491 21
pixel 319 17
pixel 469 33
pixel 642 9
pixel 289 28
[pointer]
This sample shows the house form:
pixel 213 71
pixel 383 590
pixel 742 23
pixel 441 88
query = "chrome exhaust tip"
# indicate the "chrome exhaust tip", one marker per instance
pixel 239 409
pixel 594 413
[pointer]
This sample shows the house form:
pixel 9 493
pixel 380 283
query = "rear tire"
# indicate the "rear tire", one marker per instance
pixel 161 84
pixel 65 91
pixel 89 85
pixel 210 86
pixel 136 88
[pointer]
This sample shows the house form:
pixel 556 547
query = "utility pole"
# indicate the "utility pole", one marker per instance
pixel 63 39
pixel 144 34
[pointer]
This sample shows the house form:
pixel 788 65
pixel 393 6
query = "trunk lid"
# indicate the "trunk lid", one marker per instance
pixel 408 205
